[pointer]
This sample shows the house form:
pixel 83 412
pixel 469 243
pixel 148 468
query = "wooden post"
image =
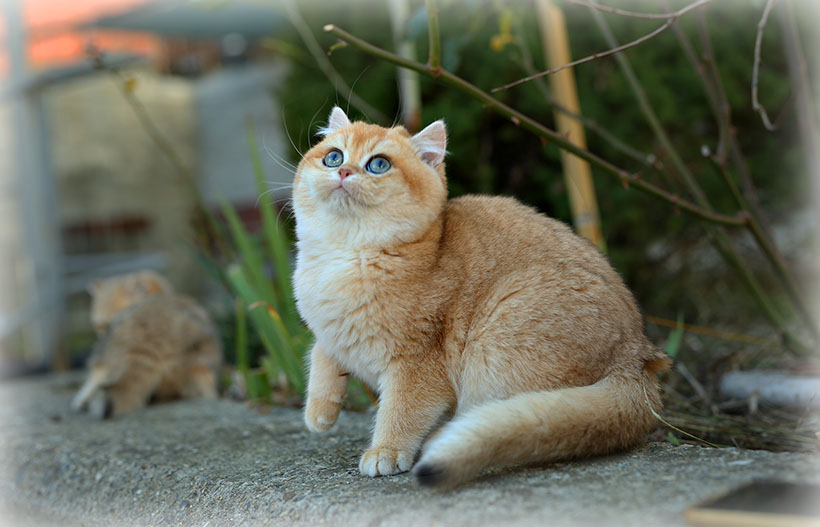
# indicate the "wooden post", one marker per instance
pixel 577 172
pixel 409 87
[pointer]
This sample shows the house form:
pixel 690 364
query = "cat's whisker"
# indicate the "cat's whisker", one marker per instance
pixel 287 133
pixel 289 167
pixel 312 119
pixel 274 192
pixel 353 87
pixel 400 107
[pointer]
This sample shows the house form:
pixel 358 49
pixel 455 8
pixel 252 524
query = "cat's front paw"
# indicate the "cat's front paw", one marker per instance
pixel 320 414
pixel 100 405
pixel 385 462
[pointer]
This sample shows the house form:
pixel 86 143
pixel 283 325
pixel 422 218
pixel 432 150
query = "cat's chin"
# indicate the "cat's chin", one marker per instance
pixel 345 200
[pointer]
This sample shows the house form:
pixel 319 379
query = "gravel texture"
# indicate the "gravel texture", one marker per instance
pixel 223 463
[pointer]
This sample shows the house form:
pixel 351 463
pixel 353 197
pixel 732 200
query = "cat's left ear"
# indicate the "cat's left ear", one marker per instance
pixel 338 119
pixel 431 143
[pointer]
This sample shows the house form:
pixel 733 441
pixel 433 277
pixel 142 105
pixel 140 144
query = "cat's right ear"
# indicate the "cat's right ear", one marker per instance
pixel 338 119
pixel 431 143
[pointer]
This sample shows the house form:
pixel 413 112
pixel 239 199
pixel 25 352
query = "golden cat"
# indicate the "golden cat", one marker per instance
pixel 152 343
pixel 477 308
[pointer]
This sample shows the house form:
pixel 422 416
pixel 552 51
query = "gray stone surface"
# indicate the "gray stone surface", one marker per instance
pixel 223 463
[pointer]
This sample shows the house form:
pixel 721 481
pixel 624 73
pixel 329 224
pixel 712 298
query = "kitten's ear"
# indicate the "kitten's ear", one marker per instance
pixel 338 119
pixel 431 143
pixel 149 282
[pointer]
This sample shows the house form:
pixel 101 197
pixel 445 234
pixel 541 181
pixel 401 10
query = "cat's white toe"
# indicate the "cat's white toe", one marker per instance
pixel 385 462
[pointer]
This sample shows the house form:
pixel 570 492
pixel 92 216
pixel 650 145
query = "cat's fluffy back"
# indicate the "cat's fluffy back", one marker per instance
pixel 492 247
pixel 167 328
pixel 111 296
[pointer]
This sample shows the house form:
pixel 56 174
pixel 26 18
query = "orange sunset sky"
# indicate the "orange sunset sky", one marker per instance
pixel 50 42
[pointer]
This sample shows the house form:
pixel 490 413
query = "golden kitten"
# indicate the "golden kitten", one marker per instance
pixel 152 343
pixel 477 307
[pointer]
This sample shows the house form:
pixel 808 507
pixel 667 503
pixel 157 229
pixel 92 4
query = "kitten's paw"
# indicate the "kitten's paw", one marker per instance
pixel 78 403
pixel 385 462
pixel 320 415
pixel 100 405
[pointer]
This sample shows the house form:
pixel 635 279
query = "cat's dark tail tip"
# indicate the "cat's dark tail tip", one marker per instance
pixel 429 475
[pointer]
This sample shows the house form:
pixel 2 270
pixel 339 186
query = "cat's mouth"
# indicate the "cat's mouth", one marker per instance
pixel 344 196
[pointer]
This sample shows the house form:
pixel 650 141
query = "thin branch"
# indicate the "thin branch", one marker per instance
pixel 671 18
pixel 761 26
pixel 526 63
pixel 719 237
pixel 718 102
pixel 652 118
pixel 540 130
pixel 203 216
pixel 434 60
pixel 327 68
pixel 722 108
pixel 635 14
pixel 756 226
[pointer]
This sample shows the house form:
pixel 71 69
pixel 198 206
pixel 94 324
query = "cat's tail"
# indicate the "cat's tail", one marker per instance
pixel 610 415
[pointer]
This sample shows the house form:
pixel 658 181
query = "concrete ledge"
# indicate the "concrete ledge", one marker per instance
pixel 222 463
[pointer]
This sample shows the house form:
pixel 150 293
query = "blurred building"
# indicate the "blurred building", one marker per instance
pixel 103 196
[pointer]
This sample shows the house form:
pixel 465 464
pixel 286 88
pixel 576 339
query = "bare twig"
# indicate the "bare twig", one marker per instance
pixel 126 87
pixel 696 385
pixel 434 60
pixel 671 18
pixel 540 130
pixel 756 226
pixel 683 171
pixel 718 236
pixel 327 68
pixel 635 14
pixel 203 216
pixel 526 63
pixel 709 76
pixel 761 26
pixel 709 332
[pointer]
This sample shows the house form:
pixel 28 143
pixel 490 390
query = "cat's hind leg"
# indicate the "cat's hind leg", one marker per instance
pixel 201 382
pixel 97 378
pixel 132 391
pixel 202 376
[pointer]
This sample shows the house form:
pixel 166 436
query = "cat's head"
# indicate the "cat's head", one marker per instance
pixel 111 296
pixel 368 185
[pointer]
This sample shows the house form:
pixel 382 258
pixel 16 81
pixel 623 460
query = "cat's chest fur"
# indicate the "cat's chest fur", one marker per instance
pixel 344 297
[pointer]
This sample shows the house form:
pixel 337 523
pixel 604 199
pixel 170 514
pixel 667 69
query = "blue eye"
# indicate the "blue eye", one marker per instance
pixel 333 158
pixel 378 165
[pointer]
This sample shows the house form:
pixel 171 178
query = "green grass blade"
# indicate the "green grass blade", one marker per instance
pixel 251 260
pixel 276 238
pixel 252 387
pixel 274 335
pixel 675 338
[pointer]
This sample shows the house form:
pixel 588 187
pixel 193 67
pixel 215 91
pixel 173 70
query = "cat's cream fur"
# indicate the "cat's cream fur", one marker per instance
pixel 153 343
pixel 477 308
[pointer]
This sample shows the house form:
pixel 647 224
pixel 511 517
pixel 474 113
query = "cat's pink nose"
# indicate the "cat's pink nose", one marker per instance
pixel 344 172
